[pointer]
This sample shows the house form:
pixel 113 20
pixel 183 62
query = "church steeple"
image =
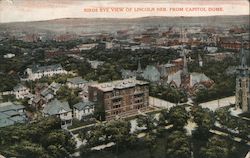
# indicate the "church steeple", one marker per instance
pixel 185 67
pixel 242 56
pixel 139 69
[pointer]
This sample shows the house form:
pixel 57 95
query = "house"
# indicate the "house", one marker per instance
pixel 47 94
pixel 59 109
pixel 43 71
pixel 55 87
pixel 20 91
pixel 37 102
pixel 84 109
pixel 76 82
pixel 11 113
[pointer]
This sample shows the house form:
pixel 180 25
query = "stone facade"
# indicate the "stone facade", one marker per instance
pixel 120 98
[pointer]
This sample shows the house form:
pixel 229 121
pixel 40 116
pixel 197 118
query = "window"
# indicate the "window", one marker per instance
pixel 116 106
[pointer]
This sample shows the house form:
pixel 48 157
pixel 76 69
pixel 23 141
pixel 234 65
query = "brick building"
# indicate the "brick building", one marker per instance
pixel 119 98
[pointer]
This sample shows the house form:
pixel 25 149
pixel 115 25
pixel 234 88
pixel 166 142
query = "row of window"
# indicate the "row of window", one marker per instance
pixel 127 91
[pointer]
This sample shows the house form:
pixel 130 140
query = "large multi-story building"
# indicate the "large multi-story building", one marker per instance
pixel 243 84
pixel 119 98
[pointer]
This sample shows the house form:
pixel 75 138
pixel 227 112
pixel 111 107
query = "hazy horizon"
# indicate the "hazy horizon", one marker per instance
pixel 28 10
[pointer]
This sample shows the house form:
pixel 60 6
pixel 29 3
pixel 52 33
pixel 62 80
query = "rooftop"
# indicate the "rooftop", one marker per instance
pixel 76 80
pixel 169 65
pixel 18 87
pixel 82 105
pixel 56 107
pixel 46 68
pixel 6 106
pixel 119 84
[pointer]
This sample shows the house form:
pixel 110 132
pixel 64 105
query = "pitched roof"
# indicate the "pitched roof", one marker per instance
pixel 197 78
pixel 47 68
pixel 6 122
pixel 76 80
pixel 18 119
pixel 83 105
pixel 55 107
pixel 6 106
pixel 175 77
pixel 18 87
pixel 46 91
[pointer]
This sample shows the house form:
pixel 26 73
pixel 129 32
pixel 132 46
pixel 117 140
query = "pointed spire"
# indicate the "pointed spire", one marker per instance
pixel 139 69
pixel 242 55
pixel 185 67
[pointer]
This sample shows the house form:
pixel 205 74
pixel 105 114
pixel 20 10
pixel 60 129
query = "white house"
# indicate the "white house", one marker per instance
pixel 20 91
pixel 76 82
pixel 39 72
pixel 83 110
pixel 59 109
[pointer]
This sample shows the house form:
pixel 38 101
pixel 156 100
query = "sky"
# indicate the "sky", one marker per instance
pixel 37 10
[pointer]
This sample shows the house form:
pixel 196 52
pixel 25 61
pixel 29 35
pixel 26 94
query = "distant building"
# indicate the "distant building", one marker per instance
pixel 128 74
pixel 39 72
pixel 243 84
pixel 219 56
pixel 11 113
pixel 210 49
pixel 95 63
pixel 59 109
pixel 83 110
pixel 120 98
pixel 87 46
pixel 9 55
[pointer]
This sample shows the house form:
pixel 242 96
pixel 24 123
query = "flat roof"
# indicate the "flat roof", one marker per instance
pixel 119 84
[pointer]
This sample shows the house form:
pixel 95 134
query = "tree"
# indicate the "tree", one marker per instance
pixel 147 121
pixel 150 141
pixel 64 93
pixel 178 116
pixel 222 116
pixel 30 150
pixel 204 119
pixel 117 131
pixel 217 148
pixel 178 145
pixel 41 139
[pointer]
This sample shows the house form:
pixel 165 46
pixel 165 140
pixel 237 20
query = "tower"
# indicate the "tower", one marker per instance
pixel 242 90
pixel 200 60
pixel 139 69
